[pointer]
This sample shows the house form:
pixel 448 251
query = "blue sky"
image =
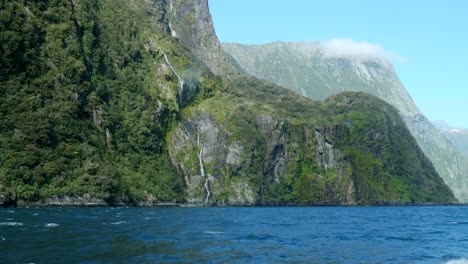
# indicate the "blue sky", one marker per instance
pixel 430 36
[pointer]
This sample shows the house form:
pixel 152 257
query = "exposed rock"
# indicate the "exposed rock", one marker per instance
pixel 325 155
pixel 315 73
pixel 191 22
pixel 233 157
pixel 84 200
pixel 172 133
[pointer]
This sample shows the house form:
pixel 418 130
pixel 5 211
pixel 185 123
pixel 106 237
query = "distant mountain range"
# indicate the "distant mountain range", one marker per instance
pixel 458 136
pixel 321 69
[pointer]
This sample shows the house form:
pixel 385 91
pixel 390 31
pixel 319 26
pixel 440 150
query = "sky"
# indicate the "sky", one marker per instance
pixel 427 39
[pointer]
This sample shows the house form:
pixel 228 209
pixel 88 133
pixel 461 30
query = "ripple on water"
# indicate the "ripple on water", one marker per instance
pixel 407 239
pixel 185 236
pixel 118 223
pixel 213 232
pixel 261 237
pixel 11 224
pixel 51 225
pixel 151 217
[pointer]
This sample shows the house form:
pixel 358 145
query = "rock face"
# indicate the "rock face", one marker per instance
pixel 308 69
pixel 259 151
pixel 457 136
pixel 191 23
pixel 132 102
pixel 311 70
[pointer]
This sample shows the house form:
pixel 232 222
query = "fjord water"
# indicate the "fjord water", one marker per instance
pixel 235 235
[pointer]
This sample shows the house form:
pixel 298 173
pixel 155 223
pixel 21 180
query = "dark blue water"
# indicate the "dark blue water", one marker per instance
pixel 235 235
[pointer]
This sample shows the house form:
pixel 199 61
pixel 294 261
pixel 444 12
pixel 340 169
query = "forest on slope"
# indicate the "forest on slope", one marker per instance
pixel 133 102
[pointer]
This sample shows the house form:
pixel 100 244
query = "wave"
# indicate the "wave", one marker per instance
pixel 51 225
pixel 260 237
pixel 151 217
pixel 11 224
pixel 212 232
pixel 2 238
pixel 458 261
pixel 118 223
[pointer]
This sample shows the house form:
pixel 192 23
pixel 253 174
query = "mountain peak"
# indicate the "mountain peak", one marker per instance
pixel 191 23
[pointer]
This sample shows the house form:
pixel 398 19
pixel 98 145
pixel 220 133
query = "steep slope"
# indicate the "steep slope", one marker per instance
pixel 191 23
pixel 251 145
pixel 115 102
pixel 457 136
pixel 316 71
pixel 89 90
pixel 307 69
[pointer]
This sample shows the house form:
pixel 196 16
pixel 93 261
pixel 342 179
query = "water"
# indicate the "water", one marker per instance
pixel 235 235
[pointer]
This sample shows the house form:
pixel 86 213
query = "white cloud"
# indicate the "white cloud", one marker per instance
pixel 344 47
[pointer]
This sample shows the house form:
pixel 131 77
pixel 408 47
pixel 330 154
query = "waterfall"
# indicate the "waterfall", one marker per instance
pixel 200 158
pixel 181 81
pixel 173 33
pixel 202 171
pixel 208 193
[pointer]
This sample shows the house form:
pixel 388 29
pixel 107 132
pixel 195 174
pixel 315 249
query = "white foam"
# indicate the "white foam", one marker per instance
pixel 11 224
pixel 212 232
pixel 118 223
pixel 10 211
pixel 458 261
pixel 36 214
pixel 2 238
pixel 51 225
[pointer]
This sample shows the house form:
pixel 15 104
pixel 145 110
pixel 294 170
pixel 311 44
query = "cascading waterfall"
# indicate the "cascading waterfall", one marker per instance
pixel 202 171
pixel 181 81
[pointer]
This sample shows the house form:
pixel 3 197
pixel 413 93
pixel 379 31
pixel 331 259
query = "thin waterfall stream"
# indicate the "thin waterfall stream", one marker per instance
pixel 181 81
pixel 202 171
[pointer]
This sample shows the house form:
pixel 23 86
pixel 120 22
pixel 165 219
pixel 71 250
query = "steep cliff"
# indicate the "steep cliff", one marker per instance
pixel 253 147
pixel 132 102
pixel 191 23
pixel 317 71
pixel 89 90
pixel 456 135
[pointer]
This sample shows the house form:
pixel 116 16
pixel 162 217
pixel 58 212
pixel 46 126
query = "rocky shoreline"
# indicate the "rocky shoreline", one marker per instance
pixel 88 201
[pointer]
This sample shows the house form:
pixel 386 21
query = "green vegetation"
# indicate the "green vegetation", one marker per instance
pixel 308 69
pixel 90 105
pixel 83 110
pixel 373 158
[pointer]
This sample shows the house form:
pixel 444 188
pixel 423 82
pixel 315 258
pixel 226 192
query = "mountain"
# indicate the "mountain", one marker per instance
pixel 191 23
pixel 134 103
pixel 321 69
pixel 308 69
pixel 457 136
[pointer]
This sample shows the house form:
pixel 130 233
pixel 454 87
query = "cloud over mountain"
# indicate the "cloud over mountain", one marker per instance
pixel 345 47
